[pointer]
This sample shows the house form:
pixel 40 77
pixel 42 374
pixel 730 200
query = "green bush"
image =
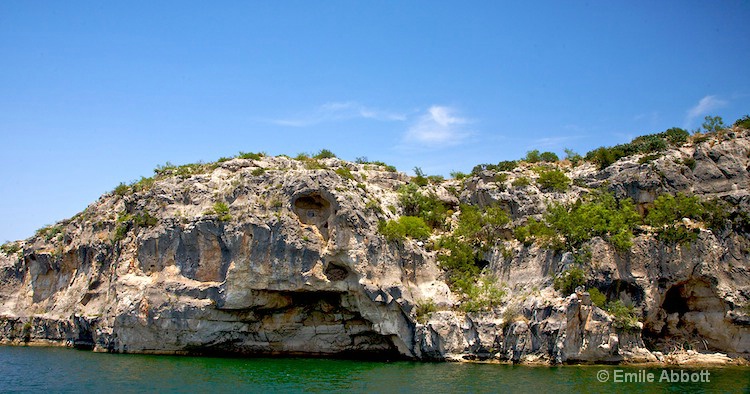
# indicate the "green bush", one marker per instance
pixel 481 227
pixel 689 162
pixel 419 178
pixel 569 226
pixel 554 180
pixel 10 248
pixel 221 209
pixel 436 179
pixel 258 171
pixel 743 122
pixel 712 124
pixel 250 155
pixel 144 219
pixel 144 184
pixel 483 295
pixel 668 208
pixel 458 175
pixel 507 165
pixel 532 156
pixel 324 154
pixel 389 168
pixel 597 298
pixel 569 280
pixel 477 230
pixel 677 234
pixel 521 181
pixel 603 157
pixel 49 232
pixel 648 158
pixel 549 157
pixel 314 164
pixel 625 317
pixel 666 216
pixel 374 205
pixel 120 232
pixel 718 215
pixel 121 189
pixel 140 219
pixel 460 261
pixel 344 173
pixel 404 227
pixel 676 136
pixel 424 309
pixel 501 178
pixel 428 207
pixel 539 231
pixel 182 171
pixel 573 157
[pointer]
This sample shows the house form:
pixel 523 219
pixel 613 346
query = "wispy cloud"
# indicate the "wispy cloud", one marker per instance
pixel 704 106
pixel 554 142
pixel 335 112
pixel 439 126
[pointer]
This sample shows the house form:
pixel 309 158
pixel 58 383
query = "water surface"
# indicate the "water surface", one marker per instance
pixel 35 369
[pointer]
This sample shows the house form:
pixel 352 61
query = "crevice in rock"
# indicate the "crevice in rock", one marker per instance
pixel 315 210
pixel 336 272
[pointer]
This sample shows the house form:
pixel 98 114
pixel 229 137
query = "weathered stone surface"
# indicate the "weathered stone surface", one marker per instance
pixel 300 268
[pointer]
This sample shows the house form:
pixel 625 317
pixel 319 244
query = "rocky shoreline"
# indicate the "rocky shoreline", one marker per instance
pixel 271 255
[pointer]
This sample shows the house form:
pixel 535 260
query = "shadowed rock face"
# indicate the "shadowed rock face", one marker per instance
pixel 298 267
pixel 312 209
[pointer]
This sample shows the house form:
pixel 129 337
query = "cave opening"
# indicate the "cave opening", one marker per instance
pixel 691 315
pixel 315 210
pixel 310 324
pixel 674 302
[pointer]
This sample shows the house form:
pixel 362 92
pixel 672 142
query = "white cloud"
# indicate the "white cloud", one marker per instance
pixel 704 106
pixel 338 111
pixel 554 142
pixel 438 127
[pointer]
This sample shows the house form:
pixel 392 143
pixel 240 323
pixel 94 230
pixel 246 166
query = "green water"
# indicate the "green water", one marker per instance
pixel 67 370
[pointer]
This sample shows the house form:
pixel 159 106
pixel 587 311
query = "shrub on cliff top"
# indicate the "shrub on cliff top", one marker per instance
pixel 324 154
pixel 250 155
pixel 507 165
pixel 10 248
pixel 603 157
pixel 743 122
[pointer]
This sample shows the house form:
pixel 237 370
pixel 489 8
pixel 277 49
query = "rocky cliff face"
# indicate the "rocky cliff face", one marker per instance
pixel 270 255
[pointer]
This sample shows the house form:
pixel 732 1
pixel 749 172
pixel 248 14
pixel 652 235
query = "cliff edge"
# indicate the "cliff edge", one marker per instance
pixel 546 262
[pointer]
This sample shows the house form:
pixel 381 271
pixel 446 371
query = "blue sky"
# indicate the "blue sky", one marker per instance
pixel 95 93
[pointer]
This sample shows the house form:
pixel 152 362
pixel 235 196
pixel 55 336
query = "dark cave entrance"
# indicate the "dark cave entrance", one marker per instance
pixel 691 316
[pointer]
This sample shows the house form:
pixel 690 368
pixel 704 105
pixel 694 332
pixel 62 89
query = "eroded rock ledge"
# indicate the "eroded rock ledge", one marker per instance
pixel 297 266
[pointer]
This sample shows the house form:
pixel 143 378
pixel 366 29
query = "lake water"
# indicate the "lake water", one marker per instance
pixel 36 369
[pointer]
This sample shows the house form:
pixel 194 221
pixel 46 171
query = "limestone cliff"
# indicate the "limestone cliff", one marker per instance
pixel 272 255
